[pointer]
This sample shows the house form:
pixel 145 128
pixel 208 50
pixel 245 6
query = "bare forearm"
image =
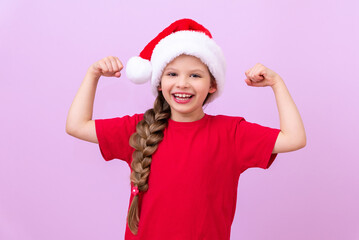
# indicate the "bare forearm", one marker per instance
pixel 79 119
pixel 291 123
pixel 81 109
pixel 292 135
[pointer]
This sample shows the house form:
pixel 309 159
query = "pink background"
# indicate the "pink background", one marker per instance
pixel 53 186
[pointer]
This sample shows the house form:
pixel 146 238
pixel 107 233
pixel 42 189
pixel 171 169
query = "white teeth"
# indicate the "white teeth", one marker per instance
pixel 182 95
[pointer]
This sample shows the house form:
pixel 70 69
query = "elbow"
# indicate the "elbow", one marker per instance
pixel 69 129
pixel 302 143
pixel 296 144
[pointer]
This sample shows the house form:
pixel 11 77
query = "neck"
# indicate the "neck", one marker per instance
pixel 191 117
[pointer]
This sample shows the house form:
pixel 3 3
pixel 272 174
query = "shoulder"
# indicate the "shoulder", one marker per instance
pixel 224 123
pixel 124 120
pixel 133 116
pixel 136 117
pixel 224 119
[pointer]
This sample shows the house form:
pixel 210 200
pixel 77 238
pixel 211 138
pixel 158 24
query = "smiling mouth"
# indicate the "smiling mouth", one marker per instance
pixel 182 96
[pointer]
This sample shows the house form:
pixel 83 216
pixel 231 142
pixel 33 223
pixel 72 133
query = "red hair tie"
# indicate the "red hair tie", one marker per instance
pixel 135 190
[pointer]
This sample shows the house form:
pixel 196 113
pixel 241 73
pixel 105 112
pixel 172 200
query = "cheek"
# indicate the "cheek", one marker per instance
pixel 202 87
pixel 166 86
pixel 166 90
pixel 167 96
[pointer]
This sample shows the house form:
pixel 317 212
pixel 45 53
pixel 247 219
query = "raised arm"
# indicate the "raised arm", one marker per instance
pixel 292 135
pixel 79 121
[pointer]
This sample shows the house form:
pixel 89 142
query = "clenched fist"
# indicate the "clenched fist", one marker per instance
pixel 109 67
pixel 261 76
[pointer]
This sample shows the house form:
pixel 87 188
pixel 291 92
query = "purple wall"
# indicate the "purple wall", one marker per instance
pixel 53 186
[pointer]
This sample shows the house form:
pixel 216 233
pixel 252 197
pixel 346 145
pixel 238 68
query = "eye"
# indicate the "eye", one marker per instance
pixel 195 75
pixel 172 74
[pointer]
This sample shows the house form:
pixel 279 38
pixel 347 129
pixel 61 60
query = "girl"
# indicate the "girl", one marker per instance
pixel 185 164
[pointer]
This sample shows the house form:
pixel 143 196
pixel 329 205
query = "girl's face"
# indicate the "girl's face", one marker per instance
pixel 185 84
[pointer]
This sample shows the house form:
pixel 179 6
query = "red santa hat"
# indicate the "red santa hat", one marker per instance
pixel 184 36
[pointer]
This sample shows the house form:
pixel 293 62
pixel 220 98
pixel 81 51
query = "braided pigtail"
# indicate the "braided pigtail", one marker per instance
pixel 149 133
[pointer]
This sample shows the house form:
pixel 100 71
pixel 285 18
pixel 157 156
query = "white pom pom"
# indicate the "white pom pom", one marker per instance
pixel 138 70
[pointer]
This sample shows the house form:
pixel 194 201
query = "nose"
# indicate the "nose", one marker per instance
pixel 182 82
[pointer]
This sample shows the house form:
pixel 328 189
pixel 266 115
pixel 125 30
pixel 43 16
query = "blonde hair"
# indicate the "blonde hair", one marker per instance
pixel 149 133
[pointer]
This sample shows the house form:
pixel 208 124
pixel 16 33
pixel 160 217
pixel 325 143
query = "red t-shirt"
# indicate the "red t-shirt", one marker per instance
pixel 194 173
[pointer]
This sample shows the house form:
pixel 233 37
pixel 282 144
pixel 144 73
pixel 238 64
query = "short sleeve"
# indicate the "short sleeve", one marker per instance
pixel 113 136
pixel 255 144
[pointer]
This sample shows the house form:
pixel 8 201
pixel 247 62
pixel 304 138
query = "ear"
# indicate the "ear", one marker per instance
pixel 213 86
pixel 159 87
pixel 212 89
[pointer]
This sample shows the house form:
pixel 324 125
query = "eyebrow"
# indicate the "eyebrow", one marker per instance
pixel 190 70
